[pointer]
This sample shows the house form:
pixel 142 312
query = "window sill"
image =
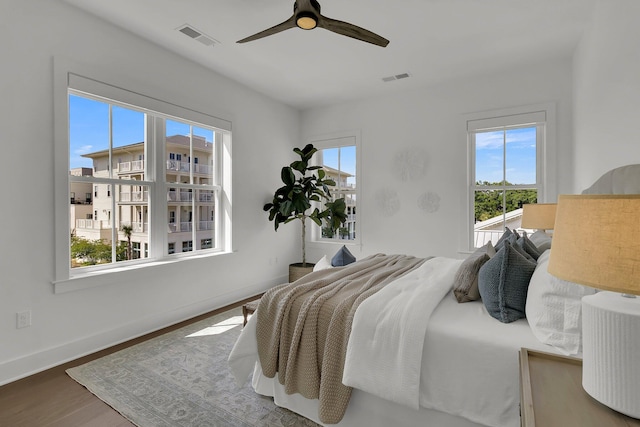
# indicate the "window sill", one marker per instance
pixel 336 242
pixel 118 274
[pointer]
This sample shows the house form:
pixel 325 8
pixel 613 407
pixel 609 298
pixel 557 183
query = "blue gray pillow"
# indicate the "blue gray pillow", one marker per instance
pixel 342 257
pixel 529 247
pixel 511 235
pixel 503 282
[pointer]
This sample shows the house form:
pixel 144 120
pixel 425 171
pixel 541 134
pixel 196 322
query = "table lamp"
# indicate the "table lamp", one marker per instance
pixel 538 216
pixel 596 243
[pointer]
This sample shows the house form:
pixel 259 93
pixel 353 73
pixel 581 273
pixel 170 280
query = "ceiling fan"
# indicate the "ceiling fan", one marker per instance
pixel 306 15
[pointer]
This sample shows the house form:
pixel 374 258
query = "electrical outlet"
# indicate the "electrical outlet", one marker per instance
pixel 23 319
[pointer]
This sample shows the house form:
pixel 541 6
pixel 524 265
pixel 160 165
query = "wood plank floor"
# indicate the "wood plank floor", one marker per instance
pixel 52 398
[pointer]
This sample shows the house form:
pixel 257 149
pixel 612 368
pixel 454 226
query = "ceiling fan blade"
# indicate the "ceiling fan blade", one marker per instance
pixel 289 23
pixel 351 30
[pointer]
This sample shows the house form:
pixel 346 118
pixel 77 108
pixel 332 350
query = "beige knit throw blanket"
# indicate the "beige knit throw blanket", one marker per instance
pixel 303 327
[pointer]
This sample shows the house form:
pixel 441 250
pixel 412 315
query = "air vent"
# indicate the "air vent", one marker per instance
pixel 188 30
pixel 396 77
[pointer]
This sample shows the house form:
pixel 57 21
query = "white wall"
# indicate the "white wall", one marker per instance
pixel 607 92
pixel 432 119
pixel 69 324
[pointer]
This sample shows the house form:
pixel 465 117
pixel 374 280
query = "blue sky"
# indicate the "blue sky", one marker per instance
pixel 520 156
pixel 346 162
pixel 89 128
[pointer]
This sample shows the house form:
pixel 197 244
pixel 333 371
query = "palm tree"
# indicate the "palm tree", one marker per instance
pixel 127 230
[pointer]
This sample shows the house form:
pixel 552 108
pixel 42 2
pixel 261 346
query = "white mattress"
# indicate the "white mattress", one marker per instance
pixel 469 375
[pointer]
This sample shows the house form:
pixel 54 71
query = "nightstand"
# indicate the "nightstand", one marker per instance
pixel 551 395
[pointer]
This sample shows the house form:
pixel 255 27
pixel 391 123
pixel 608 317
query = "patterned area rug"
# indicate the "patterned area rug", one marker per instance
pixel 182 379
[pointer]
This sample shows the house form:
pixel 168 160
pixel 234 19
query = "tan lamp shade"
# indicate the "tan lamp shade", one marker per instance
pixel 596 241
pixel 539 216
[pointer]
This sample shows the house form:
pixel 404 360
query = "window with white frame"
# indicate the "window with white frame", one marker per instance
pixel 338 156
pixel 155 200
pixel 509 156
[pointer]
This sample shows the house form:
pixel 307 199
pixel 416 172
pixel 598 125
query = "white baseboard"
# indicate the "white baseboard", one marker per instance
pixel 33 363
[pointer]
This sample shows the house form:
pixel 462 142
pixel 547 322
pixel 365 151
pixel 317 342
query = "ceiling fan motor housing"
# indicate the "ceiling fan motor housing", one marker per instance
pixel 306 14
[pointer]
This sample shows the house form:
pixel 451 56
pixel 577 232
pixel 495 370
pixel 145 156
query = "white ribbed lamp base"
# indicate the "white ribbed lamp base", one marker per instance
pixel 611 351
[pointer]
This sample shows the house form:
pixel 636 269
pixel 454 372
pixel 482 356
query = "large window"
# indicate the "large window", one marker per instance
pixel 159 176
pixel 338 157
pixel 508 156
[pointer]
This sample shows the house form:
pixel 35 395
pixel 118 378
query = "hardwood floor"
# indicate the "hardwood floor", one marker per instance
pixel 52 398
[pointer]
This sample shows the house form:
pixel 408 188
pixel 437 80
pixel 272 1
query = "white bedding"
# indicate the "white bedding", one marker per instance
pixel 396 318
pixel 471 363
pixel 469 369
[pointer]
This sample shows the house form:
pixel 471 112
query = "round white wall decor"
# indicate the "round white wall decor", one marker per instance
pixel 387 201
pixel 429 202
pixel 410 164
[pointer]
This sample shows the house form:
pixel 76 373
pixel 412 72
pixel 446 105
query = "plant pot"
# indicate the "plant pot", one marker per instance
pixel 297 270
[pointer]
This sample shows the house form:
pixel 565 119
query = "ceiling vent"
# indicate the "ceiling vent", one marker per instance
pixel 396 77
pixel 197 35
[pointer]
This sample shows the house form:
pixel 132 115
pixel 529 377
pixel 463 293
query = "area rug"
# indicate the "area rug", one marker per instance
pixel 182 379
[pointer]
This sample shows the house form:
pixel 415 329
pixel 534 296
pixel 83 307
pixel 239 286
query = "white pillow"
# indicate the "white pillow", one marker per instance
pixel 554 309
pixel 324 263
pixel 541 239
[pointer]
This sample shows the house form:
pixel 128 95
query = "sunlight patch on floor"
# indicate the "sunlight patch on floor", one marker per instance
pixel 219 328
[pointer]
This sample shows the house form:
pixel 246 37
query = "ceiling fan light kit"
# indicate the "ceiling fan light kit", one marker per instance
pixel 306 21
pixel 306 15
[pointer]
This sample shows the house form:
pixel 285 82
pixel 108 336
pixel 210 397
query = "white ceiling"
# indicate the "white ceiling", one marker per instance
pixel 432 40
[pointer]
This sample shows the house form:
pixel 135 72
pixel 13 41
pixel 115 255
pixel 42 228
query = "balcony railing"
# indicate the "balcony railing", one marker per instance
pixel 134 196
pixel 91 224
pixel 179 196
pixel 128 167
pixel 205 225
pixel 187 196
pixel 180 166
pixel 205 196
pixel 182 227
pixel 481 237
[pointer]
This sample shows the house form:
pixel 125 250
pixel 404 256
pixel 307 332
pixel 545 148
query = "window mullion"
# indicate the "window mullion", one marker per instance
pixel 504 176
pixel 155 130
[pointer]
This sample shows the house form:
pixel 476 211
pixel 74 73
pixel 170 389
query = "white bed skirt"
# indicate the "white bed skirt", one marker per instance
pixel 365 410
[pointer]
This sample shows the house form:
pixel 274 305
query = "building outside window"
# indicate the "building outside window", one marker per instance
pixel 133 157
pixel 338 156
pixel 508 169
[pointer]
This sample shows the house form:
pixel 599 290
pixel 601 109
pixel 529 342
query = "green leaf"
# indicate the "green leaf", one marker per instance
pixel 308 151
pixel 286 208
pixel 287 175
pixel 299 165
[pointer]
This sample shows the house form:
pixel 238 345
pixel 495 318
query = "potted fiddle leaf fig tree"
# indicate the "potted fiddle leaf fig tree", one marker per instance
pixel 295 201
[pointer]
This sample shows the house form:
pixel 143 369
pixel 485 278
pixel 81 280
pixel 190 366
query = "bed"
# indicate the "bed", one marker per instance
pixel 416 345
